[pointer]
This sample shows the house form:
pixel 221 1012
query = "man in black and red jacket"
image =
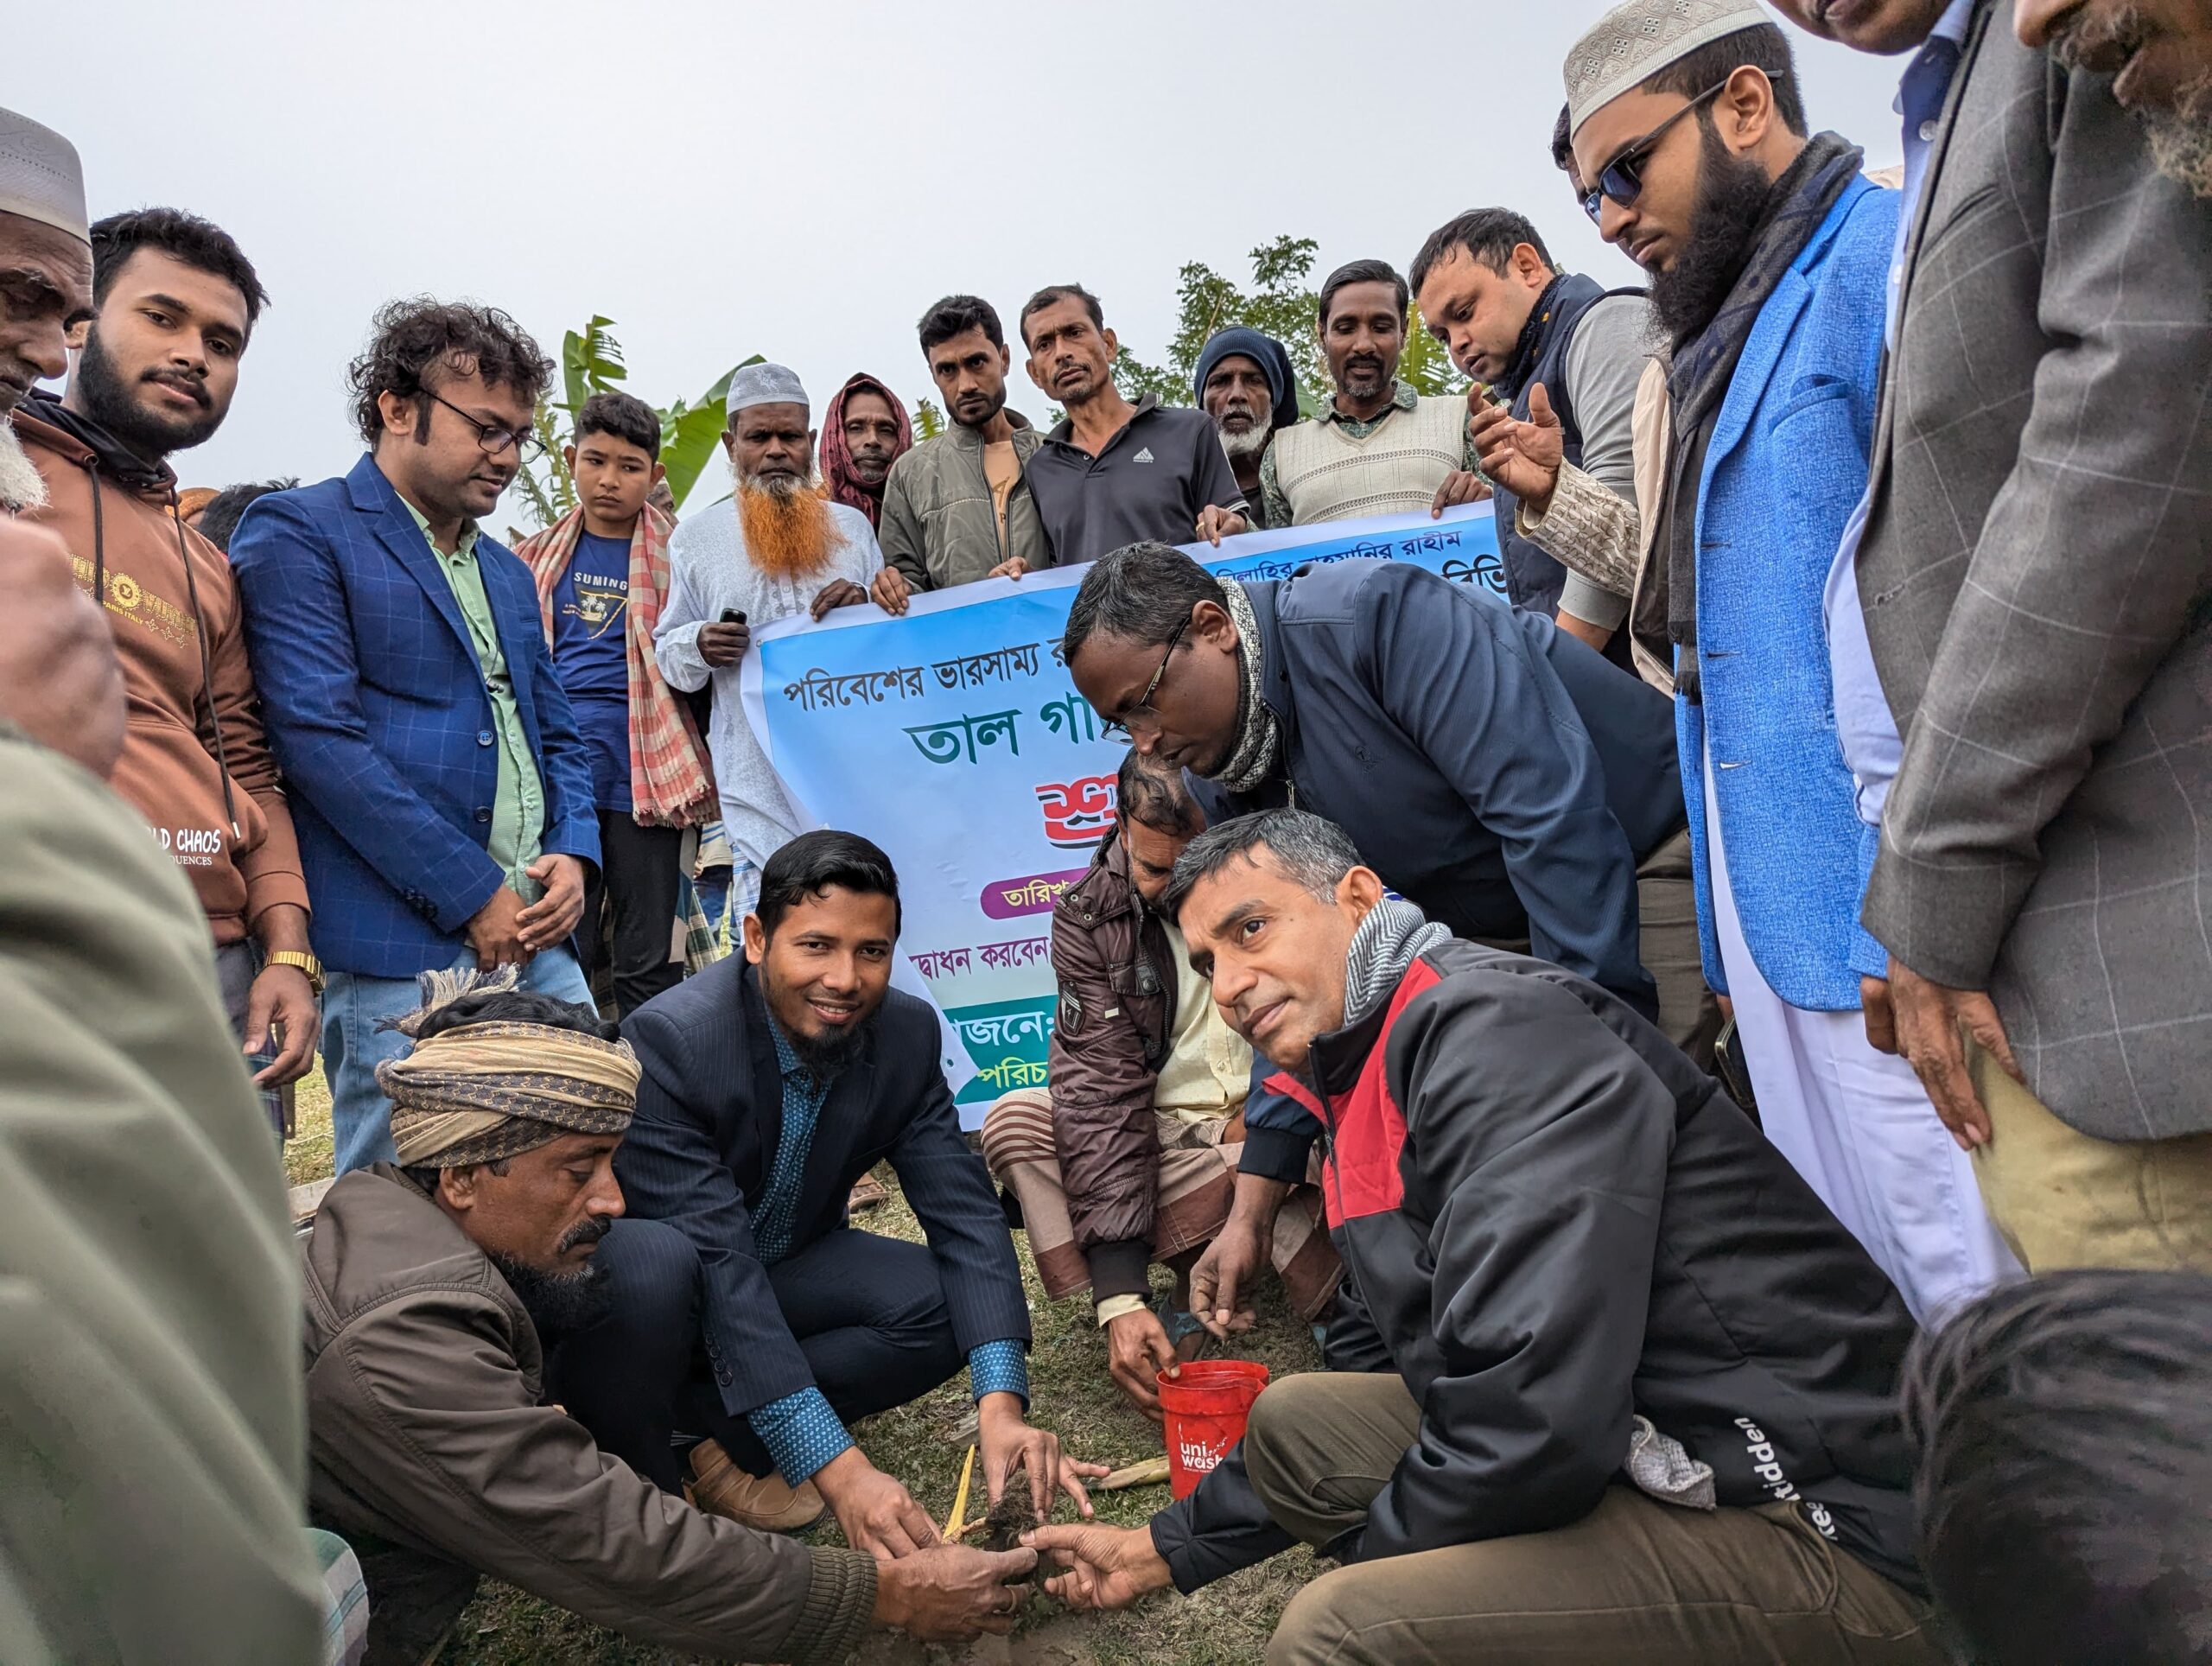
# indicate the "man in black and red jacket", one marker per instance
pixel 1637 1397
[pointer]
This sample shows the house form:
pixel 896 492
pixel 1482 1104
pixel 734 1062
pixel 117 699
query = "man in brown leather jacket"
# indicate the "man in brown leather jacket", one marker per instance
pixel 1130 1156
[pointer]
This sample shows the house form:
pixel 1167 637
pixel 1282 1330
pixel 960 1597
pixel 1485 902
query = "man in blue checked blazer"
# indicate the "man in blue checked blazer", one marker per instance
pixel 765 1321
pixel 442 796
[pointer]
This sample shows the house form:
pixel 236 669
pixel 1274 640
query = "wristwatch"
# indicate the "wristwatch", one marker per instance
pixel 306 963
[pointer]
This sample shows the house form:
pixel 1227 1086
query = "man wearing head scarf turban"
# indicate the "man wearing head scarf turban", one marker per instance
pixel 864 431
pixel 1239 369
pixel 438 1293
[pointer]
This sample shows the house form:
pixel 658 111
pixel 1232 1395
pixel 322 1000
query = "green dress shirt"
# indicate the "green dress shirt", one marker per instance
pixel 518 805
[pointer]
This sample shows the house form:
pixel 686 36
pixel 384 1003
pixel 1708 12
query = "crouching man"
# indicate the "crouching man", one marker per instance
pixel 434 1290
pixel 1131 1156
pixel 1638 1402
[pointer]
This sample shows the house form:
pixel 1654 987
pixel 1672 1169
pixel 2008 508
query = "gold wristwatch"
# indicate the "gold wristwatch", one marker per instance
pixel 306 963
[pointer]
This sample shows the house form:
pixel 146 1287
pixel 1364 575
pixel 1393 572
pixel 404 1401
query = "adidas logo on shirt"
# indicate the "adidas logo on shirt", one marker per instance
pixel 1143 456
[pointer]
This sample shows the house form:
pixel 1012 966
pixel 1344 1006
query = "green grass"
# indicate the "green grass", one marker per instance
pixel 1226 1624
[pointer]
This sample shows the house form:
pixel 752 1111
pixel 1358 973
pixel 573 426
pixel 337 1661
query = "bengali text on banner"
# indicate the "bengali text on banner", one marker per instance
pixel 955 739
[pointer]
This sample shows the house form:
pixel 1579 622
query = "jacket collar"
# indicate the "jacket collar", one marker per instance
pixel 378 498
pixel 1274 672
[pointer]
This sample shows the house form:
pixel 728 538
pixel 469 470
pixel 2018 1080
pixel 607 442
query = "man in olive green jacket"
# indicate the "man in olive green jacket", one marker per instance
pixel 152 1438
pixel 958 507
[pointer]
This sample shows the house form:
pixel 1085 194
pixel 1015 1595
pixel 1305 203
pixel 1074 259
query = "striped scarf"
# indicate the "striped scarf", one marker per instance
pixel 671 784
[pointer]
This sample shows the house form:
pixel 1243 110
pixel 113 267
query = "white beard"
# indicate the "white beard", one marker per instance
pixel 21 487
pixel 1250 443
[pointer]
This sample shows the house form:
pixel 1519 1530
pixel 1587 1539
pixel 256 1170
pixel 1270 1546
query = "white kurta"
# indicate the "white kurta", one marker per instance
pixel 1858 1125
pixel 708 573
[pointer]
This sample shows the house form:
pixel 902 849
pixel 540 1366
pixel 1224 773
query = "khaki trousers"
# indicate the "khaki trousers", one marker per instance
pixel 1633 1580
pixel 2065 1198
pixel 1666 899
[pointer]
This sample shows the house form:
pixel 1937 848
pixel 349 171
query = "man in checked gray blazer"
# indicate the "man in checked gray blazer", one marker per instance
pixel 2037 579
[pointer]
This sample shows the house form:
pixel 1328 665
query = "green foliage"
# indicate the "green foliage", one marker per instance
pixel 591 362
pixel 929 420
pixel 1282 304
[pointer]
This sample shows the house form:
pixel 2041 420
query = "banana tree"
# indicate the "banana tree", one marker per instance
pixel 592 362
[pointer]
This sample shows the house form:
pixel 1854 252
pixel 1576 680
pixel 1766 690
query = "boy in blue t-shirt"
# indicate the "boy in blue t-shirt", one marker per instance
pixel 590 567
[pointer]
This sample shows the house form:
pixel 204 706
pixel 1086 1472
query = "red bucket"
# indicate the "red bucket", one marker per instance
pixel 1206 1407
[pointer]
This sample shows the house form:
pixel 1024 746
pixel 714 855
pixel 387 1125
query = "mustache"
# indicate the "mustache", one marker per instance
pixel 2095 40
pixel 183 383
pixel 590 1230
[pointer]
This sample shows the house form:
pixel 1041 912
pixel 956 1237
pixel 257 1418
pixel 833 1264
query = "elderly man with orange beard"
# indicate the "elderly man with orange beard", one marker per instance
pixel 777 548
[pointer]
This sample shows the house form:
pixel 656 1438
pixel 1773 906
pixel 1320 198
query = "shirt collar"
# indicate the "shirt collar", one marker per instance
pixel 1951 26
pixel 464 545
pixel 787 1058
pixel 1402 398
pixel 1063 431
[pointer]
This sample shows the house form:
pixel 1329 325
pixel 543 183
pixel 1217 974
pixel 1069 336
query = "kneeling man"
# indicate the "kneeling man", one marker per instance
pixel 1639 1396
pixel 434 1290
pixel 1131 1156
pixel 772 1082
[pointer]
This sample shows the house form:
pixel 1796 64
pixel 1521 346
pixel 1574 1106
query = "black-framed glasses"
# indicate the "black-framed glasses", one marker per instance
pixel 495 439
pixel 1142 712
pixel 1622 179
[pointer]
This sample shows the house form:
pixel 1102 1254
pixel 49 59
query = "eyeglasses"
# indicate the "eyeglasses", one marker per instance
pixel 1142 712
pixel 495 439
pixel 1622 179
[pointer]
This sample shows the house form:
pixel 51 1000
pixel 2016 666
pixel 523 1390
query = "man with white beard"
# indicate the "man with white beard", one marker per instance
pixel 777 548
pixel 46 280
pixel 1245 383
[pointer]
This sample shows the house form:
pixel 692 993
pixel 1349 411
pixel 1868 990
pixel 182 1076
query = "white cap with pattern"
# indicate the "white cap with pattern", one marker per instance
pixel 764 384
pixel 40 177
pixel 1635 40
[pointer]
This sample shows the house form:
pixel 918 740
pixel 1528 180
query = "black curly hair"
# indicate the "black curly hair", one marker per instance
pixel 412 336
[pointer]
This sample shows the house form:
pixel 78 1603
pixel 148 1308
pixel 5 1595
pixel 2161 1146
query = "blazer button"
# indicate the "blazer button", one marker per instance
pixel 483 813
pixel 484 737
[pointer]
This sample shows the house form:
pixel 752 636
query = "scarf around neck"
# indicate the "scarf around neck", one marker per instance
pixel 1259 735
pixel 1394 935
pixel 1705 363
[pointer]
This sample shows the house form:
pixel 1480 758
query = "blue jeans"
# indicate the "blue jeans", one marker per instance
pixel 352 1046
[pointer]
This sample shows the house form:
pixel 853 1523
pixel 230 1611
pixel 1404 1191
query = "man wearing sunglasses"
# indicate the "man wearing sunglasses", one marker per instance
pixel 442 795
pixel 1769 252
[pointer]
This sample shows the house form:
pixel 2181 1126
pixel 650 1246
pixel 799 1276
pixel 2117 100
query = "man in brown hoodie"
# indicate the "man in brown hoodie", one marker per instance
pixel 175 301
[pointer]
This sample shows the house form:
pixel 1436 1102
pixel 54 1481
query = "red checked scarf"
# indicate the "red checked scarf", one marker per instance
pixel 671 783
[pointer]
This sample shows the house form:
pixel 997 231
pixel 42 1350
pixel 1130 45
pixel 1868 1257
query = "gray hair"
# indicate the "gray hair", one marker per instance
pixel 1313 852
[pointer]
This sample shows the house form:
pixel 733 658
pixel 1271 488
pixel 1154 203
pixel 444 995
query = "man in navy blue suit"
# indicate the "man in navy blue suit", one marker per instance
pixel 442 794
pixel 765 1322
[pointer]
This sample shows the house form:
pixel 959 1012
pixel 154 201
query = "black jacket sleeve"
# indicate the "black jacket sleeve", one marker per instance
pixel 950 1191
pixel 1544 1140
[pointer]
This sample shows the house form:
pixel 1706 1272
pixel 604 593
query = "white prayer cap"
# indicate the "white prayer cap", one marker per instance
pixel 764 384
pixel 40 177
pixel 1634 42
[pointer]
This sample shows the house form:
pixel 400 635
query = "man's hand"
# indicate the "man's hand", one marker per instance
pixel 1108 1566
pixel 720 645
pixel 1874 1008
pixel 950 1594
pixel 837 593
pixel 1009 1444
pixel 495 930
pixel 1216 523
pixel 1230 1267
pixel 877 1514
pixel 1012 567
pixel 1460 485
pixel 282 997
pixel 1524 458
pixel 552 918
pixel 1928 1019
pixel 888 589
pixel 1137 1350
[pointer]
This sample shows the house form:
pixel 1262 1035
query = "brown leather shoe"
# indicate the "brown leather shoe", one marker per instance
pixel 767 1503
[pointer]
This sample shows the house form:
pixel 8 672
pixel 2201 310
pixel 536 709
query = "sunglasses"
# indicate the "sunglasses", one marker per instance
pixel 1622 179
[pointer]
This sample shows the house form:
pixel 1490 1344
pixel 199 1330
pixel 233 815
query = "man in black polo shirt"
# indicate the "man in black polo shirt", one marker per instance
pixel 1113 473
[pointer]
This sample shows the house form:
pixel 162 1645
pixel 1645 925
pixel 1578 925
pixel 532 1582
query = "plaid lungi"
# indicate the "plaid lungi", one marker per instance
pixel 1197 1182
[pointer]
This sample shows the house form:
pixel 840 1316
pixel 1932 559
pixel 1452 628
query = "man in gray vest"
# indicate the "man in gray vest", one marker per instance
pixel 1563 353
pixel 1377 447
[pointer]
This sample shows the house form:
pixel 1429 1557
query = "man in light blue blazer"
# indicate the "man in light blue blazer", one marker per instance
pixel 1769 251
pixel 442 796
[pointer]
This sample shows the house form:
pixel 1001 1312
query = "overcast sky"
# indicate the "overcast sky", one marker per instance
pixel 723 177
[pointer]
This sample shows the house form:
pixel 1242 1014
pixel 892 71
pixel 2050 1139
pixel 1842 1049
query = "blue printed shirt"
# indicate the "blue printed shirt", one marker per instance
pixel 803 1431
